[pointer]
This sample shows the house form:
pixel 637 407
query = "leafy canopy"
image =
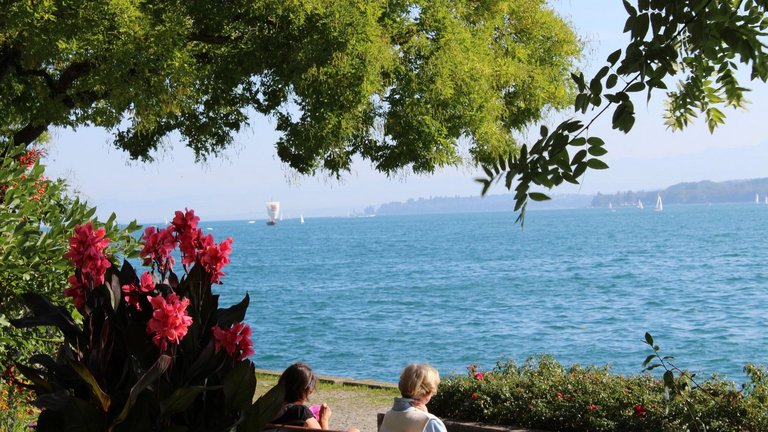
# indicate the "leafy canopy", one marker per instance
pixel 699 43
pixel 401 83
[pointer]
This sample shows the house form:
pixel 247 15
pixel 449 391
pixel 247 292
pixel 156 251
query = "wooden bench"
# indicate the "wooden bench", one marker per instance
pixel 290 428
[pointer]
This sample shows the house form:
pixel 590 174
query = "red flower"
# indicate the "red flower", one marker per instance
pixel 236 340
pixel 30 158
pixel 169 321
pixel 158 245
pixel 559 396
pixel 475 395
pixel 213 257
pixel 479 376
pixel 132 292
pixel 76 290
pixel 639 410
pixel 592 407
pixel 190 238
pixel 86 252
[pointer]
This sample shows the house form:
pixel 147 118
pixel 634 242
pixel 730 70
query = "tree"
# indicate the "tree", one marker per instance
pixel 401 83
pixel 701 43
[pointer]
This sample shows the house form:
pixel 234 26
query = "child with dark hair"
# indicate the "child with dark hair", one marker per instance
pixel 299 382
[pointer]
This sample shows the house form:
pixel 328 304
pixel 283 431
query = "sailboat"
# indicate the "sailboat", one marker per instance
pixel 273 212
pixel 766 199
pixel 757 198
pixel 301 219
pixel 640 204
pixel 610 207
pixel 659 205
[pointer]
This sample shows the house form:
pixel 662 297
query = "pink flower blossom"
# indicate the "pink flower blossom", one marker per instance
pixel 592 407
pixel 236 340
pixel 475 395
pixel 170 321
pixel 188 235
pixel 479 376
pixel 213 258
pixel 77 291
pixel 190 243
pixel 185 222
pixel 158 245
pixel 639 410
pixel 132 292
pixel 86 253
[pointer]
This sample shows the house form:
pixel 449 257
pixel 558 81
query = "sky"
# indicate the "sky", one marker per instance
pixel 237 185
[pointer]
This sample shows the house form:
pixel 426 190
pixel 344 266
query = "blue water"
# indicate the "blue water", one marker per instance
pixel 362 297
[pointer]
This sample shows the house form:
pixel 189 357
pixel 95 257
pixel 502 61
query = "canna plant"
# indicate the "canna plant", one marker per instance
pixel 154 352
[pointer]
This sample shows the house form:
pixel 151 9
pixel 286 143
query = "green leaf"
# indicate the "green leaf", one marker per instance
pixel 669 380
pixel 240 384
pixel 614 57
pixel 636 87
pixel 89 379
pixel 537 196
pixel 611 81
pixel 597 151
pixel 649 359
pixel 595 141
pixel 149 377
pixel 648 339
pixel 181 399
pixel 263 410
pixel 233 314
pixel 597 164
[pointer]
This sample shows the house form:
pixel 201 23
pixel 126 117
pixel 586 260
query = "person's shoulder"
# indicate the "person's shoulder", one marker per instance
pixel 434 424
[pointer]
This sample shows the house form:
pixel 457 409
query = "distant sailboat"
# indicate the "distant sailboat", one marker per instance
pixel 659 205
pixel 273 212
pixel 757 198
pixel 640 205
pixel 610 207
pixel 766 199
pixel 301 219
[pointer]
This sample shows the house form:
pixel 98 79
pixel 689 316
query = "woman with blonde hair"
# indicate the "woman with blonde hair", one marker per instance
pixel 418 383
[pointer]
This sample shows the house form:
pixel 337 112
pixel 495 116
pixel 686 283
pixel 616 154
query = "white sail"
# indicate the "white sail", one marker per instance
pixel 640 205
pixel 273 212
pixel 301 218
pixel 766 198
pixel 757 198
pixel 659 205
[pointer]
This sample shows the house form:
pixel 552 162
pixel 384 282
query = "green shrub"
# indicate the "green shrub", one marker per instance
pixel 541 393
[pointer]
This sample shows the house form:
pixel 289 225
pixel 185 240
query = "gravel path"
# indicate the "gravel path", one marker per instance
pixel 349 409
pixel 351 405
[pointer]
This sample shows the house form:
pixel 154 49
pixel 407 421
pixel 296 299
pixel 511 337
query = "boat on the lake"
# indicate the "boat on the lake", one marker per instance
pixel 659 204
pixel 273 212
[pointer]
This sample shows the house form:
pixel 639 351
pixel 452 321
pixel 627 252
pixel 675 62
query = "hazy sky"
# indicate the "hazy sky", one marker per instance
pixel 236 187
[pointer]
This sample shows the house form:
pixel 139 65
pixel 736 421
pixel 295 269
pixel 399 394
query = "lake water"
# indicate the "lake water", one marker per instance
pixel 362 297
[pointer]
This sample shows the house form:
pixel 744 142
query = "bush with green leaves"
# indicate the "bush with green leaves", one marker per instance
pixel 37 216
pixel 543 394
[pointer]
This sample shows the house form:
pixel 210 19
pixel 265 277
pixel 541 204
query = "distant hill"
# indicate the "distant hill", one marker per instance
pixel 477 204
pixel 702 192
pixel 682 193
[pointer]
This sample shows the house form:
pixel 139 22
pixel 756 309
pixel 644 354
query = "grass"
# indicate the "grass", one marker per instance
pixel 338 394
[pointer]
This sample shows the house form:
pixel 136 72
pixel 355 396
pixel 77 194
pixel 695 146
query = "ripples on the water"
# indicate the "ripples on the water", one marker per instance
pixel 363 297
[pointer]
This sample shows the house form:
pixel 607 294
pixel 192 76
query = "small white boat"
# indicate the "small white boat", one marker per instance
pixel 610 207
pixel 301 219
pixel 251 221
pixel 273 212
pixel 640 205
pixel 757 198
pixel 659 204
